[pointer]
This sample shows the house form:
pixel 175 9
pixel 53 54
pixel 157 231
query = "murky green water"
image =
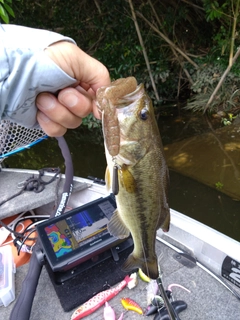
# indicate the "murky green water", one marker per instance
pixel 188 196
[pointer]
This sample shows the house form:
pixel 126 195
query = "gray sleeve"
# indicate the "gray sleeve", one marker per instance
pixel 25 71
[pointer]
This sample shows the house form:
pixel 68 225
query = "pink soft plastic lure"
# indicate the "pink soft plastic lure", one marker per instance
pixel 109 313
pixel 98 300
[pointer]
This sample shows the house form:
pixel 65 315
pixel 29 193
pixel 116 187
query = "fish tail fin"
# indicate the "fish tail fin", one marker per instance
pixel 149 267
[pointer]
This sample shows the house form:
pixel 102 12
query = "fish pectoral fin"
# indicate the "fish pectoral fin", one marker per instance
pixel 108 179
pixel 116 226
pixel 127 180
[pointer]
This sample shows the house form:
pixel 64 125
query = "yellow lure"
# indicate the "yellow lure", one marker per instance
pixel 130 304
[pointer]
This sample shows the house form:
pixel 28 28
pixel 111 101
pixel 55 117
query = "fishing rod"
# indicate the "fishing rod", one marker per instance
pixel 201 265
pixel 173 315
pixel 171 312
pixel 23 305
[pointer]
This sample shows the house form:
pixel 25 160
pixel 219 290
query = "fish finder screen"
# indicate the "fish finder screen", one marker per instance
pixel 82 229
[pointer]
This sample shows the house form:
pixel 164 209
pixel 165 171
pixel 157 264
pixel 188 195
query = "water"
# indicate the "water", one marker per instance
pixel 208 159
pixel 205 204
pixel 186 195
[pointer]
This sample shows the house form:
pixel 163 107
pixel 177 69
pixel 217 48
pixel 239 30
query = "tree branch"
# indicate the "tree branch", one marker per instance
pixel 98 6
pixel 222 79
pixel 173 50
pixel 168 40
pixel 143 48
pixel 235 17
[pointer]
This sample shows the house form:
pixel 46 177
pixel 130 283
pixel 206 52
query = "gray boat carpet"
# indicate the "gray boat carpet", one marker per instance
pixel 29 200
pixel 208 299
pixel 91 281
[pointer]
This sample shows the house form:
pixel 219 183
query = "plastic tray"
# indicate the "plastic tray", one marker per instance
pixel 7 276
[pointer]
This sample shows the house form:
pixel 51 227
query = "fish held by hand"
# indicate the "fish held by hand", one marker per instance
pixel 133 145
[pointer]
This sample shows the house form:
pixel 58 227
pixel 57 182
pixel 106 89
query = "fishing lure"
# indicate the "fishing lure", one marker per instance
pixel 121 316
pixel 152 290
pixel 143 276
pixel 98 300
pixel 109 313
pixel 132 284
pixel 177 285
pixel 130 304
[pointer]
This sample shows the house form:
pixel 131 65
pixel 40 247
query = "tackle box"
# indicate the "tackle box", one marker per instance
pixel 7 276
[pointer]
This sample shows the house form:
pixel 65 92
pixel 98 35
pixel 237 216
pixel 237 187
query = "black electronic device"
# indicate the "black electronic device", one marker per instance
pixel 78 235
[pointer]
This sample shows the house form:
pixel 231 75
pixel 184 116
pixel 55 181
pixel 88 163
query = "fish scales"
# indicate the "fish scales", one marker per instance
pixel 142 202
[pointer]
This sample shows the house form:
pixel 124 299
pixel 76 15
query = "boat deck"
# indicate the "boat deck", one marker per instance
pixel 208 299
pixel 29 200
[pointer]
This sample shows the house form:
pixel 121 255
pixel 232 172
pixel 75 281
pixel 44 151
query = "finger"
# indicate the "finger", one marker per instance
pixel 77 100
pixel 91 71
pixel 56 112
pixel 52 129
pixel 96 113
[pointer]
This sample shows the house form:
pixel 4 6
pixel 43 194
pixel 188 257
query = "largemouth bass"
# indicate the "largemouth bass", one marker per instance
pixel 134 149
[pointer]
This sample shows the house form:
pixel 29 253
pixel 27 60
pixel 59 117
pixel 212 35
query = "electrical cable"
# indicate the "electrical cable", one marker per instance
pixel 17 236
pixel 25 239
pixel 23 305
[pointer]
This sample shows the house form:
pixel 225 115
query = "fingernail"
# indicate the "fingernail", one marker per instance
pixel 45 102
pixel 69 100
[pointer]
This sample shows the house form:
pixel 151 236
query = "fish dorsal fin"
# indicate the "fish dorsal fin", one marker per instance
pixel 108 179
pixel 127 180
pixel 116 227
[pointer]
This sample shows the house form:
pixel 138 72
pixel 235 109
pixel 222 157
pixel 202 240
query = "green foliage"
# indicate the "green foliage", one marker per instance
pixel 209 75
pixel 227 98
pixel 108 33
pixel 214 9
pixel 105 30
pixel 87 133
pixel 220 13
pixel 219 185
pixel 91 122
pixel 228 120
pixel 6 10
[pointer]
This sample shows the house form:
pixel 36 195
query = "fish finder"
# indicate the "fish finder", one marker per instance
pixel 78 235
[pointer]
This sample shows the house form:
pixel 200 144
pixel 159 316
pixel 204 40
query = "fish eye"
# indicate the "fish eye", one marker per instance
pixel 144 114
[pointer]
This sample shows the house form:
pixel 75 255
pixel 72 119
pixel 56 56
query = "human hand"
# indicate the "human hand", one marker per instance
pixel 56 114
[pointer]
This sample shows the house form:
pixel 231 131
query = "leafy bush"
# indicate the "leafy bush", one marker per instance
pixel 105 29
pixel 6 10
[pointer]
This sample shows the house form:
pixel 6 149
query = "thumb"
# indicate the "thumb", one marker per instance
pixel 89 72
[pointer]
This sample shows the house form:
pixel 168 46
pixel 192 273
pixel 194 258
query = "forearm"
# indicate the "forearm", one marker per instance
pixel 25 71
